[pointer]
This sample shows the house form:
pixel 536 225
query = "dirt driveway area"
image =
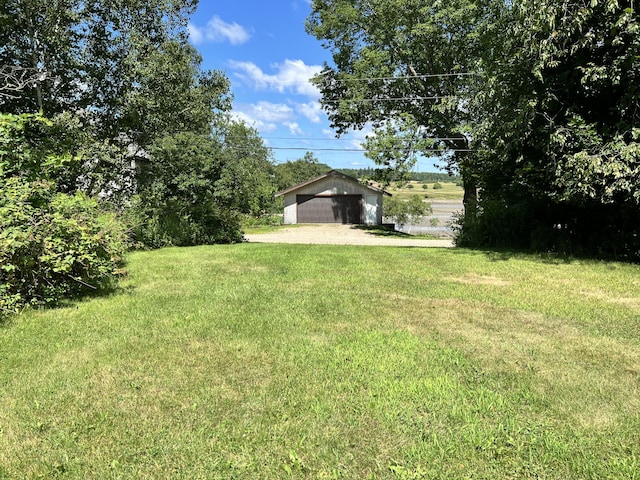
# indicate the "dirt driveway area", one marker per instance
pixel 331 234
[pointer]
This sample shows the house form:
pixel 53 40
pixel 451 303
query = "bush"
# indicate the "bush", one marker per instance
pixel 54 245
pixel 265 220
pixel 186 196
pixel 437 186
pixel 404 211
pixel 171 224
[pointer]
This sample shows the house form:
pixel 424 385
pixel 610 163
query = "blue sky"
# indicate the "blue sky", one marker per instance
pixel 266 53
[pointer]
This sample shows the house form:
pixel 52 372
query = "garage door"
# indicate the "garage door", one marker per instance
pixel 323 209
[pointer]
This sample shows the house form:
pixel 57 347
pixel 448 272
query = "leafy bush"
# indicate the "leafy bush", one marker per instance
pixel 170 223
pixel 266 220
pixel 592 230
pixel 404 211
pixel 186 195
pixel 54 245
pixel 437 186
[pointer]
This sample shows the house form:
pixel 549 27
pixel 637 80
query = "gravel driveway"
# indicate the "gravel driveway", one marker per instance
pixel 332 234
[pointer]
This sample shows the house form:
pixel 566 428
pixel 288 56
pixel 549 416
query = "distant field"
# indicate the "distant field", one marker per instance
pixel 330 362
pixel 449 191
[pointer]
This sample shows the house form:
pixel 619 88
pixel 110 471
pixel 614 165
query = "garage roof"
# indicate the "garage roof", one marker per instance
pixel 333 173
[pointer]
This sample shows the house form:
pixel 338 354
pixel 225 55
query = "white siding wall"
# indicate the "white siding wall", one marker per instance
pixel 290 209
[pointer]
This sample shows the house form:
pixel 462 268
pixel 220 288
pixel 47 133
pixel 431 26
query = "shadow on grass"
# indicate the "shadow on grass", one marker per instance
pixel 113 290
pixel 389 231
pixel 503 254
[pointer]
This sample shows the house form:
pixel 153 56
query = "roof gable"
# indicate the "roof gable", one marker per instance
pixel 333 173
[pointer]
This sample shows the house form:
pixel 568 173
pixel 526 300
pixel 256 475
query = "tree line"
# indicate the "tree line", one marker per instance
pixel 425 177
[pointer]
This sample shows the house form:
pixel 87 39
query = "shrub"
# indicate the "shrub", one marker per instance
pixel 437 186
pixel 54 245
pixel 265 220
pixel 404 211
pixel 187 196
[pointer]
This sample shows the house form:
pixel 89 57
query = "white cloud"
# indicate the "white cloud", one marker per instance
pixel 294 128
pixel 328 133
pixel 217 30
pixel 265 116
pixel 357 137
pixel 290 76
pixel 310 110
pixel 272 112
pixel 195 34
pixel 263 127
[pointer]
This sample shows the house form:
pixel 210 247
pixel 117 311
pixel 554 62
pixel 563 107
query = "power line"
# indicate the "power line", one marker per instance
pixel 332 139
pixel 387 99
pixel 274 80
pixel 403 77
pixel 431 150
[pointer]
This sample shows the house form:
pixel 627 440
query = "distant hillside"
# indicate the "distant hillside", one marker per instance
pixel 427 177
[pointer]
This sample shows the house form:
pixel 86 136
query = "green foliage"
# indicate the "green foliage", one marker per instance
pixel 403 211
pixel 425 177
pixel 185 197
pixel 560 127
pixel 437 186
pixel 294 172
pixel 536 102
pixel 247 172
pixel 114 76
pixel 52 245
pixel 396 147
pixel 406 67
pixel 64 249
pixel 265 220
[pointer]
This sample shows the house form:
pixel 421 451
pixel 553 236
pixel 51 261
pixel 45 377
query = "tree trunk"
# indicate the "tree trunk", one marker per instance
pixel 470 198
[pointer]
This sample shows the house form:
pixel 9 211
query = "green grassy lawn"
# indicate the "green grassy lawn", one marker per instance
pixel 449 191
pixel 312 361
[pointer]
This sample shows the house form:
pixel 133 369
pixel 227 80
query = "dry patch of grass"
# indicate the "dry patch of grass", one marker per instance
pixel 474 279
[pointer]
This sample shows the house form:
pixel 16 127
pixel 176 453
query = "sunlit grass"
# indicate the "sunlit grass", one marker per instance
pixel 311 361
pixel 449 191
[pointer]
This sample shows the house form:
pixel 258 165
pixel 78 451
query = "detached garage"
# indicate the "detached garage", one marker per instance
pixel 332 198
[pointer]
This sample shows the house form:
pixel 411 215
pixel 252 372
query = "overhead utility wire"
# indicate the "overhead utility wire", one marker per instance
pixel 362 150
pixel 343 139
pixel 279 82
pixel 387 99
pixel 402 77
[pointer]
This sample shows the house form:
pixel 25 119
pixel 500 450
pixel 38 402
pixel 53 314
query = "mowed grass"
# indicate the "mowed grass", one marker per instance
pixel 311 361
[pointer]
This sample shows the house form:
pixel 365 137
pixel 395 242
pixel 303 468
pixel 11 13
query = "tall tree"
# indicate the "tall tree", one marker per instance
pixel 121 71
pixel 537 100
pixel 561 127
pixel 409 68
